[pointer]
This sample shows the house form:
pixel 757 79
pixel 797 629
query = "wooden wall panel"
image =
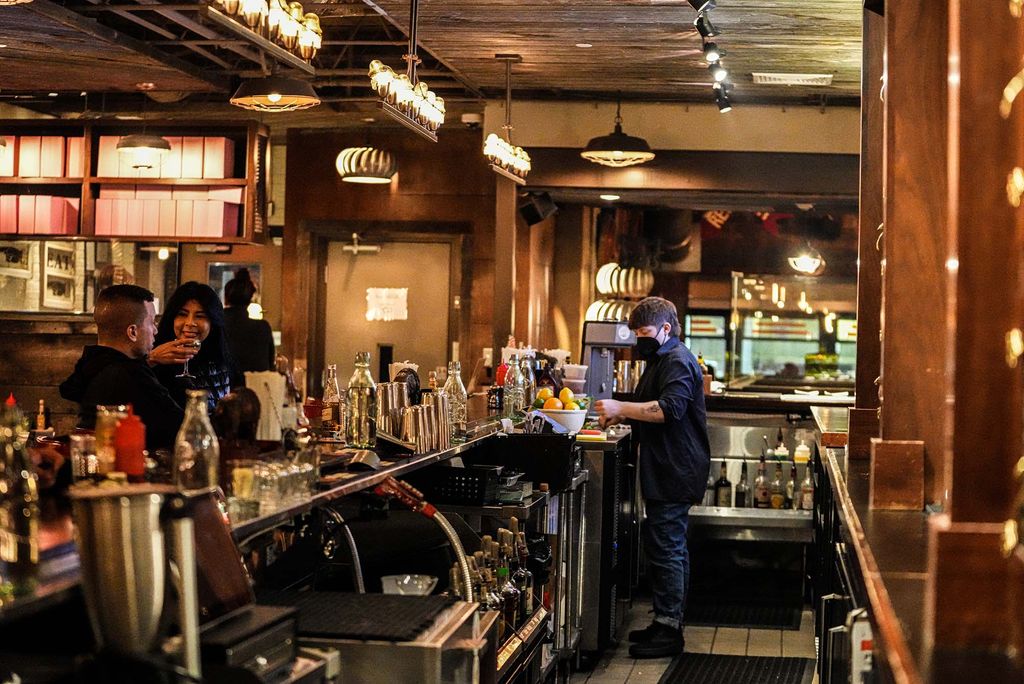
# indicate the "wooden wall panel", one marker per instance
pixel 914 281
pixel 442 187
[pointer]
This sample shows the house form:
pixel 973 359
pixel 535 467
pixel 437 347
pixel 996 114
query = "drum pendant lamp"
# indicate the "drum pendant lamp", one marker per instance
pixel 367 165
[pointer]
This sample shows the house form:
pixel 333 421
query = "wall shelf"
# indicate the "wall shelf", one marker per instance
pixel 14 180
pixel 223 182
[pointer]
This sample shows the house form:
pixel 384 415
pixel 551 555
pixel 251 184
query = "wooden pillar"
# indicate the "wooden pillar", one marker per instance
pixel 505 225
pixel 914 275
pixel 864 414
pixel 573 279
pixel 986 304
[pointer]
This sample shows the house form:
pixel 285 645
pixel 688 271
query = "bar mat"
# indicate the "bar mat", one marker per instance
pixel 743 614
pixel 701 668
pixel 344 615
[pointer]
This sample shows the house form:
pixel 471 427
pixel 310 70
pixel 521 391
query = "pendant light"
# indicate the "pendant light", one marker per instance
pixel 617 149
pixel 143 151
pixel 808 261
pixel 367 165
pixel 275 94
pixel 508 160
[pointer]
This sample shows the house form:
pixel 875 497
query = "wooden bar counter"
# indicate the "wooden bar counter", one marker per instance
pixel 890 552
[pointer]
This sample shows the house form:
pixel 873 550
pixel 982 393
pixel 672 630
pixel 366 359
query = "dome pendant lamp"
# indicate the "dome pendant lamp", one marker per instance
pixel 366 165
pixel 275 94
pixel 143 151
pixel 617 149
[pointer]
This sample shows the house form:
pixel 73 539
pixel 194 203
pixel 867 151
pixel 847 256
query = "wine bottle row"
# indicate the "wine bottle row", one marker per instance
pixel 776 493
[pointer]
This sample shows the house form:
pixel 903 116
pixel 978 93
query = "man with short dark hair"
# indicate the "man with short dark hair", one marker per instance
pixel 115 370
pixel 675 456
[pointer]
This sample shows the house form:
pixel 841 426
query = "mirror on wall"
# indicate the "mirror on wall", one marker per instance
pixel 64 276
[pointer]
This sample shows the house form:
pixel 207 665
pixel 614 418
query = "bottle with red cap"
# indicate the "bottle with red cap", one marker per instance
pixel 130 447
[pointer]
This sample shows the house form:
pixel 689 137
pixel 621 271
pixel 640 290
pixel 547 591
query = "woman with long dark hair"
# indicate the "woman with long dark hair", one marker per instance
pixel 191 349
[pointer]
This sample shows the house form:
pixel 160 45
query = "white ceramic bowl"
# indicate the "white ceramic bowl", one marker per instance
pixel 408 585
pixel 570 420
pixel 574 371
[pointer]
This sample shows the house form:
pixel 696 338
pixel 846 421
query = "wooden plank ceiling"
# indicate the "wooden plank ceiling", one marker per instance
pixel 57 50
pixel 646 49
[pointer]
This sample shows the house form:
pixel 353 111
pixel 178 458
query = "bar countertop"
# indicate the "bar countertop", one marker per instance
pixel 891 548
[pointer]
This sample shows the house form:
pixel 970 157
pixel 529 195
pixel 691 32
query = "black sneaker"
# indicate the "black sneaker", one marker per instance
pixel 642 636
pixel 663 642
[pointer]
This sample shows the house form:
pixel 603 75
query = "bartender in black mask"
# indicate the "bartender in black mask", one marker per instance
pixel 670 422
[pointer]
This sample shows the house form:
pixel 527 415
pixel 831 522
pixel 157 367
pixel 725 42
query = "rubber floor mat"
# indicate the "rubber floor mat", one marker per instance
pixel 743 614
pixel 700 668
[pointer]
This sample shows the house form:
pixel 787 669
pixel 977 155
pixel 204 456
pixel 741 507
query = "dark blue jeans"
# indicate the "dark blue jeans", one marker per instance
pixel 668 559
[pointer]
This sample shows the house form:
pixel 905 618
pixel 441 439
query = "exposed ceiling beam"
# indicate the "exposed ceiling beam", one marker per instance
pixel 76 21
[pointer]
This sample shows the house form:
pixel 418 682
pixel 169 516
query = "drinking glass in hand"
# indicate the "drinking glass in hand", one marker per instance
pixel 191 344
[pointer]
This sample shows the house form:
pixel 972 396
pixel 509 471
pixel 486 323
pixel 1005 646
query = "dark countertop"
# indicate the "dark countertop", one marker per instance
pixel 891 548
pixel 768 402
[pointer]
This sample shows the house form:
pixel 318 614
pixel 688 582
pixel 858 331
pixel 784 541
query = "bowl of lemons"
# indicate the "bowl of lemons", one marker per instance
pixel 567 409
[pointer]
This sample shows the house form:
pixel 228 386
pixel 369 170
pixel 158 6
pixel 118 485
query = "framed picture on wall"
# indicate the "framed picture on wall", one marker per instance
pixel 218 273
pixel 14 259
pixel 58 268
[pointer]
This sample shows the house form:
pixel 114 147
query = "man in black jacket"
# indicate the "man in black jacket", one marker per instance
pixel 115 370
pixel 670 422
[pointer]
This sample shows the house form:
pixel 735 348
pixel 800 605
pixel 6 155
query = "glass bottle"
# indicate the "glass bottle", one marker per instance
pixel 778 492
pixel 510 393
pixel 457 399
pixel 723 489
pixel 523 579
pixel 19 507
pixel 807 491
pixel 709 491
pixel 529 383
pixel 743 489
pixel 762 496
pixel 510 596
pixel 332 414
pixel 791 490
pixel 196 450
pixel 361 407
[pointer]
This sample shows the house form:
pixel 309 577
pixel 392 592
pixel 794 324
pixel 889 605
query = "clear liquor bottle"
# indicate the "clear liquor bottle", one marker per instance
pixel 807 491
pixel 332 415
pixel 19 507
pixel 196 449
pixel 361 405
pixel 762 495
pixel 457 398
pixel 526 367
pixel 778 492
pixel 723 489
pixel 512 394
pixel 791 490
pixel 743 489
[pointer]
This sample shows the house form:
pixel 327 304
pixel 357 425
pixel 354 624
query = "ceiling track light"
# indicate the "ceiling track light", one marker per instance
pixel 617 149
pixel 712 53
pixel 721 91
pixel 718 72
pixel 704 26
pixel 508 160
pixel 403 97
pixel 286 25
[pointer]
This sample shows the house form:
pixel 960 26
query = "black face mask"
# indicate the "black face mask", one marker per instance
pixel 647 347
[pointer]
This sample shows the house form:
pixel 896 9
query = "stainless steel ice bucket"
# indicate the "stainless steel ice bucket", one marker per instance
pixel 123 564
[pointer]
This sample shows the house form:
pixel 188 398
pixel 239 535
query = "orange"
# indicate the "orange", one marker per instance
pixel 553 403
pixel 566 395
pixel 545 393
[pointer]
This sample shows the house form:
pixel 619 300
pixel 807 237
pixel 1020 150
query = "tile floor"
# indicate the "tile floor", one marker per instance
pixel 616 667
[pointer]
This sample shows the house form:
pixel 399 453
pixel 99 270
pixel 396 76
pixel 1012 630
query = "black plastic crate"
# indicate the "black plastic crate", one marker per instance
pixel 474 485
pixel 553 459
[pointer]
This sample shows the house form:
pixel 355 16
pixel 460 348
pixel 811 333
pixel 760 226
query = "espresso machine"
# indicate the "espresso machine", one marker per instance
pixel 601 340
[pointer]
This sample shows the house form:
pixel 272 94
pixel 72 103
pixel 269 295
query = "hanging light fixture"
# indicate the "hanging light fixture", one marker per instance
pixel 617 149
pixel 808 261
pixel 143 151
pixel 285 23
pixel 275 94
pixel 403 97
pixel 507 159
pixel 310 37
pixel 722 97
pixel 704 26
pixel 366 165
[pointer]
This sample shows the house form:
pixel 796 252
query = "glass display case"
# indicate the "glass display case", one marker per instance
pixel 64 276
pixel 792 331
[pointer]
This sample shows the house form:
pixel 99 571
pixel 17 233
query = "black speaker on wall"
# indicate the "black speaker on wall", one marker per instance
pixel 534 207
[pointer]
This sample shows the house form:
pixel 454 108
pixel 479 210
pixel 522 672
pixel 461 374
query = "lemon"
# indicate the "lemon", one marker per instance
pixel 571 406
pixel 566 395
pixel 545 393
